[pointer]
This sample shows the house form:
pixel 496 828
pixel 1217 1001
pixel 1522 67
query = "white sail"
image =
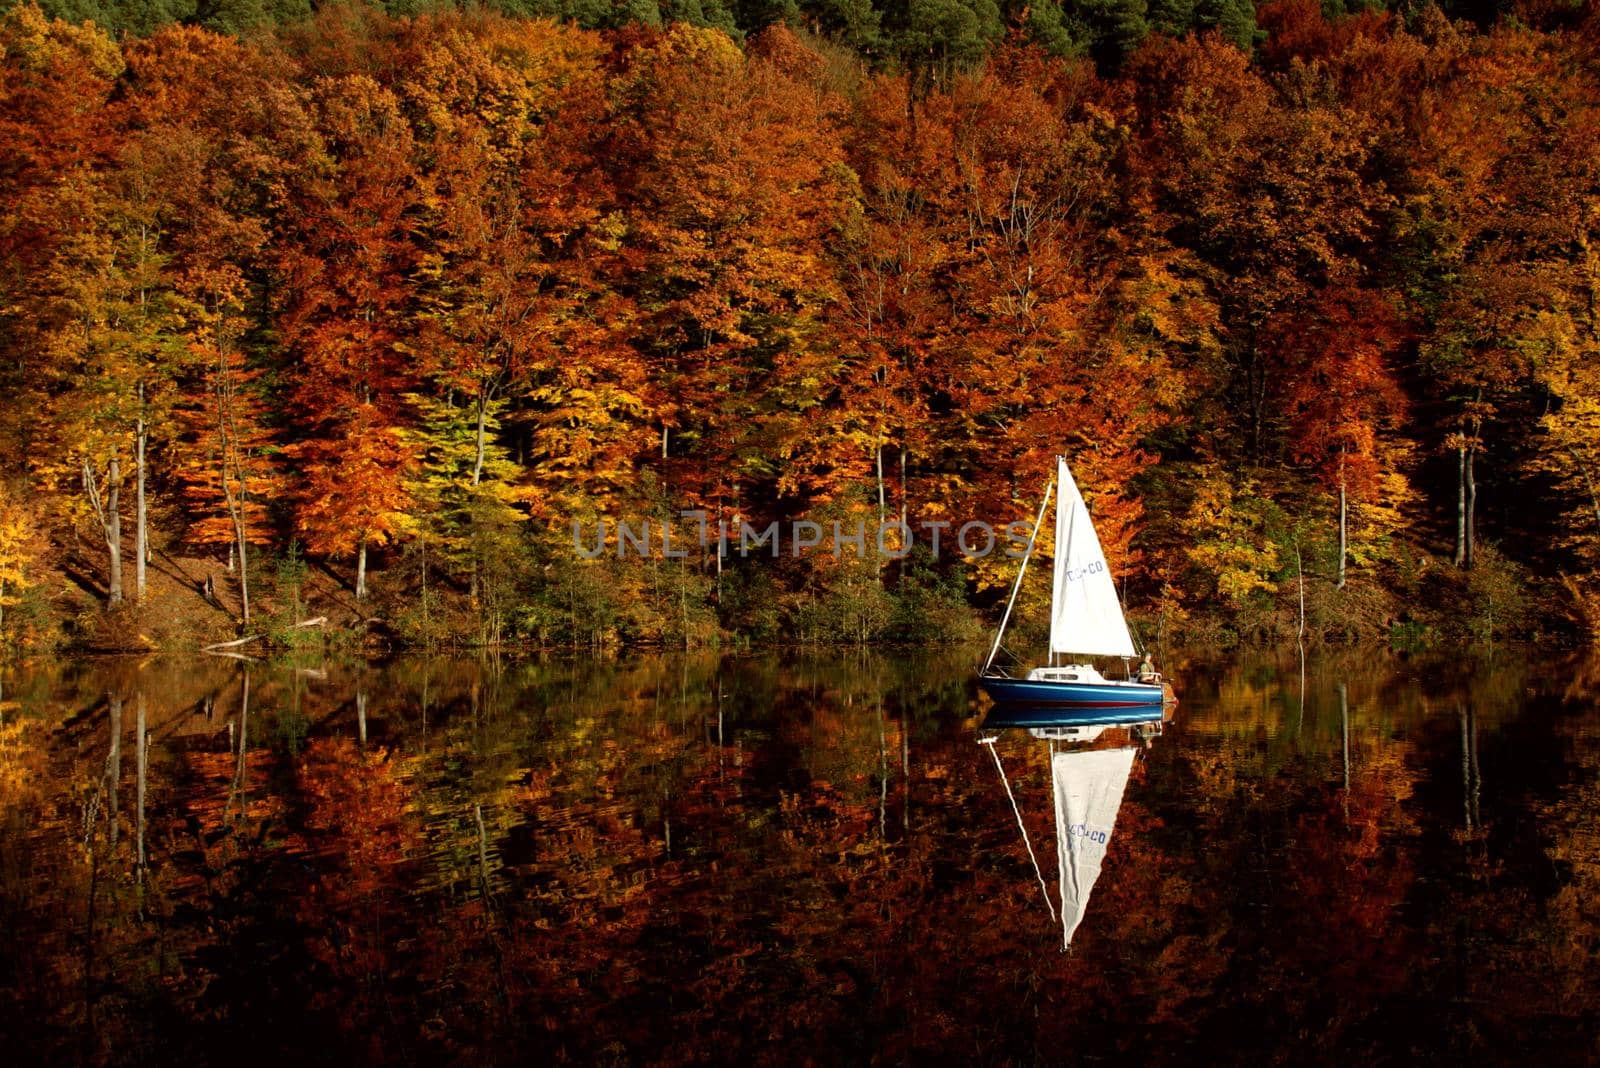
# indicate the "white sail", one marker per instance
pixel 1085 615
pixel 1088 789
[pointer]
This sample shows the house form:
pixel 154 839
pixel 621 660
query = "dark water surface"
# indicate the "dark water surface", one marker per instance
pixel 775 860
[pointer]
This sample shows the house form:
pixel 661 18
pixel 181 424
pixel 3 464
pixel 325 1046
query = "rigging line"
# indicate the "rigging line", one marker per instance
pixel 1021 571
pixel 1007 782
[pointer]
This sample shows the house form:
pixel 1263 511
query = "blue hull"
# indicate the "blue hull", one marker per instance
pixel 1099 702
pixel 1001 717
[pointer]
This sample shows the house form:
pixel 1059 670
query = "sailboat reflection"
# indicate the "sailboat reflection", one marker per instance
pixel 1088 780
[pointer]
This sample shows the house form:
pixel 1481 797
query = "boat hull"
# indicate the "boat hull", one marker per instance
pixel 1097 700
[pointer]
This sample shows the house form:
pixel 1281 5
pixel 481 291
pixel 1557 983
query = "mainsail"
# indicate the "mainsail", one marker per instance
pixel 1088 787
pixel 1085 615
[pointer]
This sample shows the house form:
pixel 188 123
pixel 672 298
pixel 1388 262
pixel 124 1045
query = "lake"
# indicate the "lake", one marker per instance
pixel 809 858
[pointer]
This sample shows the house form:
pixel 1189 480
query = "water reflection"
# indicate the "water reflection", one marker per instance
pixel 764 859
pixel 1091 757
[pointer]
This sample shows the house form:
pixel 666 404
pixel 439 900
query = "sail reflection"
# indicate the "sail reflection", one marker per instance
pixel 1090 762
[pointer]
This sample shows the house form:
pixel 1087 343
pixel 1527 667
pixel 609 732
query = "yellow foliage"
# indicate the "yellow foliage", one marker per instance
pixel 1229 537
pixel 1571 444
pixel 31 41
pixel 16 548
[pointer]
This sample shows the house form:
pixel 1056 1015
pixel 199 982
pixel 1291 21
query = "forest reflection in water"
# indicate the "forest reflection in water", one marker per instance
pixel 763 859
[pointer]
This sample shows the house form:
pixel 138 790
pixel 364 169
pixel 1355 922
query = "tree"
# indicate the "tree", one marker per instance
pixel 232 471
pixel 354 490
pixel 1272 190
pixel 345 256
pixel 736 183
pixel 205 103
pixel 114 351
pixel 1487 267
pixel 1343 398
pixel 53 129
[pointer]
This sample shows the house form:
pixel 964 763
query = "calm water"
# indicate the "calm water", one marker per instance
pixel 777 860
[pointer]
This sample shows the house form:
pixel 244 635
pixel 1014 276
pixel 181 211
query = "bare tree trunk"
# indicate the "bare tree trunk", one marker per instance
pixel 483 418
pixel 483 849
pixel 236 791
pixel 141 526
pixel 1343 527
pixel 1472 509
pixel 882 510
pixel 1461 505
pixel 1300 575
pixel 244 574
pixel 1466 767
pixel 1477 771
pixel 903 502
pixel 107 514
pixel 233 474
pixel 111 520
pixel 361 571
pixel 905 530
pixel 113 529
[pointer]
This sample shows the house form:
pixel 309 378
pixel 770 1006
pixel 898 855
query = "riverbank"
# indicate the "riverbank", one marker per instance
pixel 191 602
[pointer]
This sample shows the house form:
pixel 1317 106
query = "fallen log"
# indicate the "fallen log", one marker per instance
pixel 229 645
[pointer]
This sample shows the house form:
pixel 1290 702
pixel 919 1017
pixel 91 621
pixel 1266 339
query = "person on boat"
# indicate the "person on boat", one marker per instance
pixel 1147 670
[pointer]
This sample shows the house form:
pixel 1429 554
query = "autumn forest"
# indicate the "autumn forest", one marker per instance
pixel 350 317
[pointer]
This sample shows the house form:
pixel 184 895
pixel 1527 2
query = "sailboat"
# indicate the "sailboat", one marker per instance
pixel 1085 620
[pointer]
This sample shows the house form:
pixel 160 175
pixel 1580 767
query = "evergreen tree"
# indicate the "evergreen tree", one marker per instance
pixel 1172 17
pixel 239 16
pixel 853 22
pixel 753 15
pixel 1115 28
pixel 708 14
pixel 1048 27
pixel 1235 20
pixel 934 38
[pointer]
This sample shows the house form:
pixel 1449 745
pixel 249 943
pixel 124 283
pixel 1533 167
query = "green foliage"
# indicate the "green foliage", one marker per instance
pixel 934 38
pixel 1235 20
pixel 466 499
pixel 931 607
pixel 1116 28
pixel 1497 597
pixel 247 16
pixel 1232 527
pixel 855 23
pixel 1172 17
pixel 1049 27
pixel 748 604
pixel 139 17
